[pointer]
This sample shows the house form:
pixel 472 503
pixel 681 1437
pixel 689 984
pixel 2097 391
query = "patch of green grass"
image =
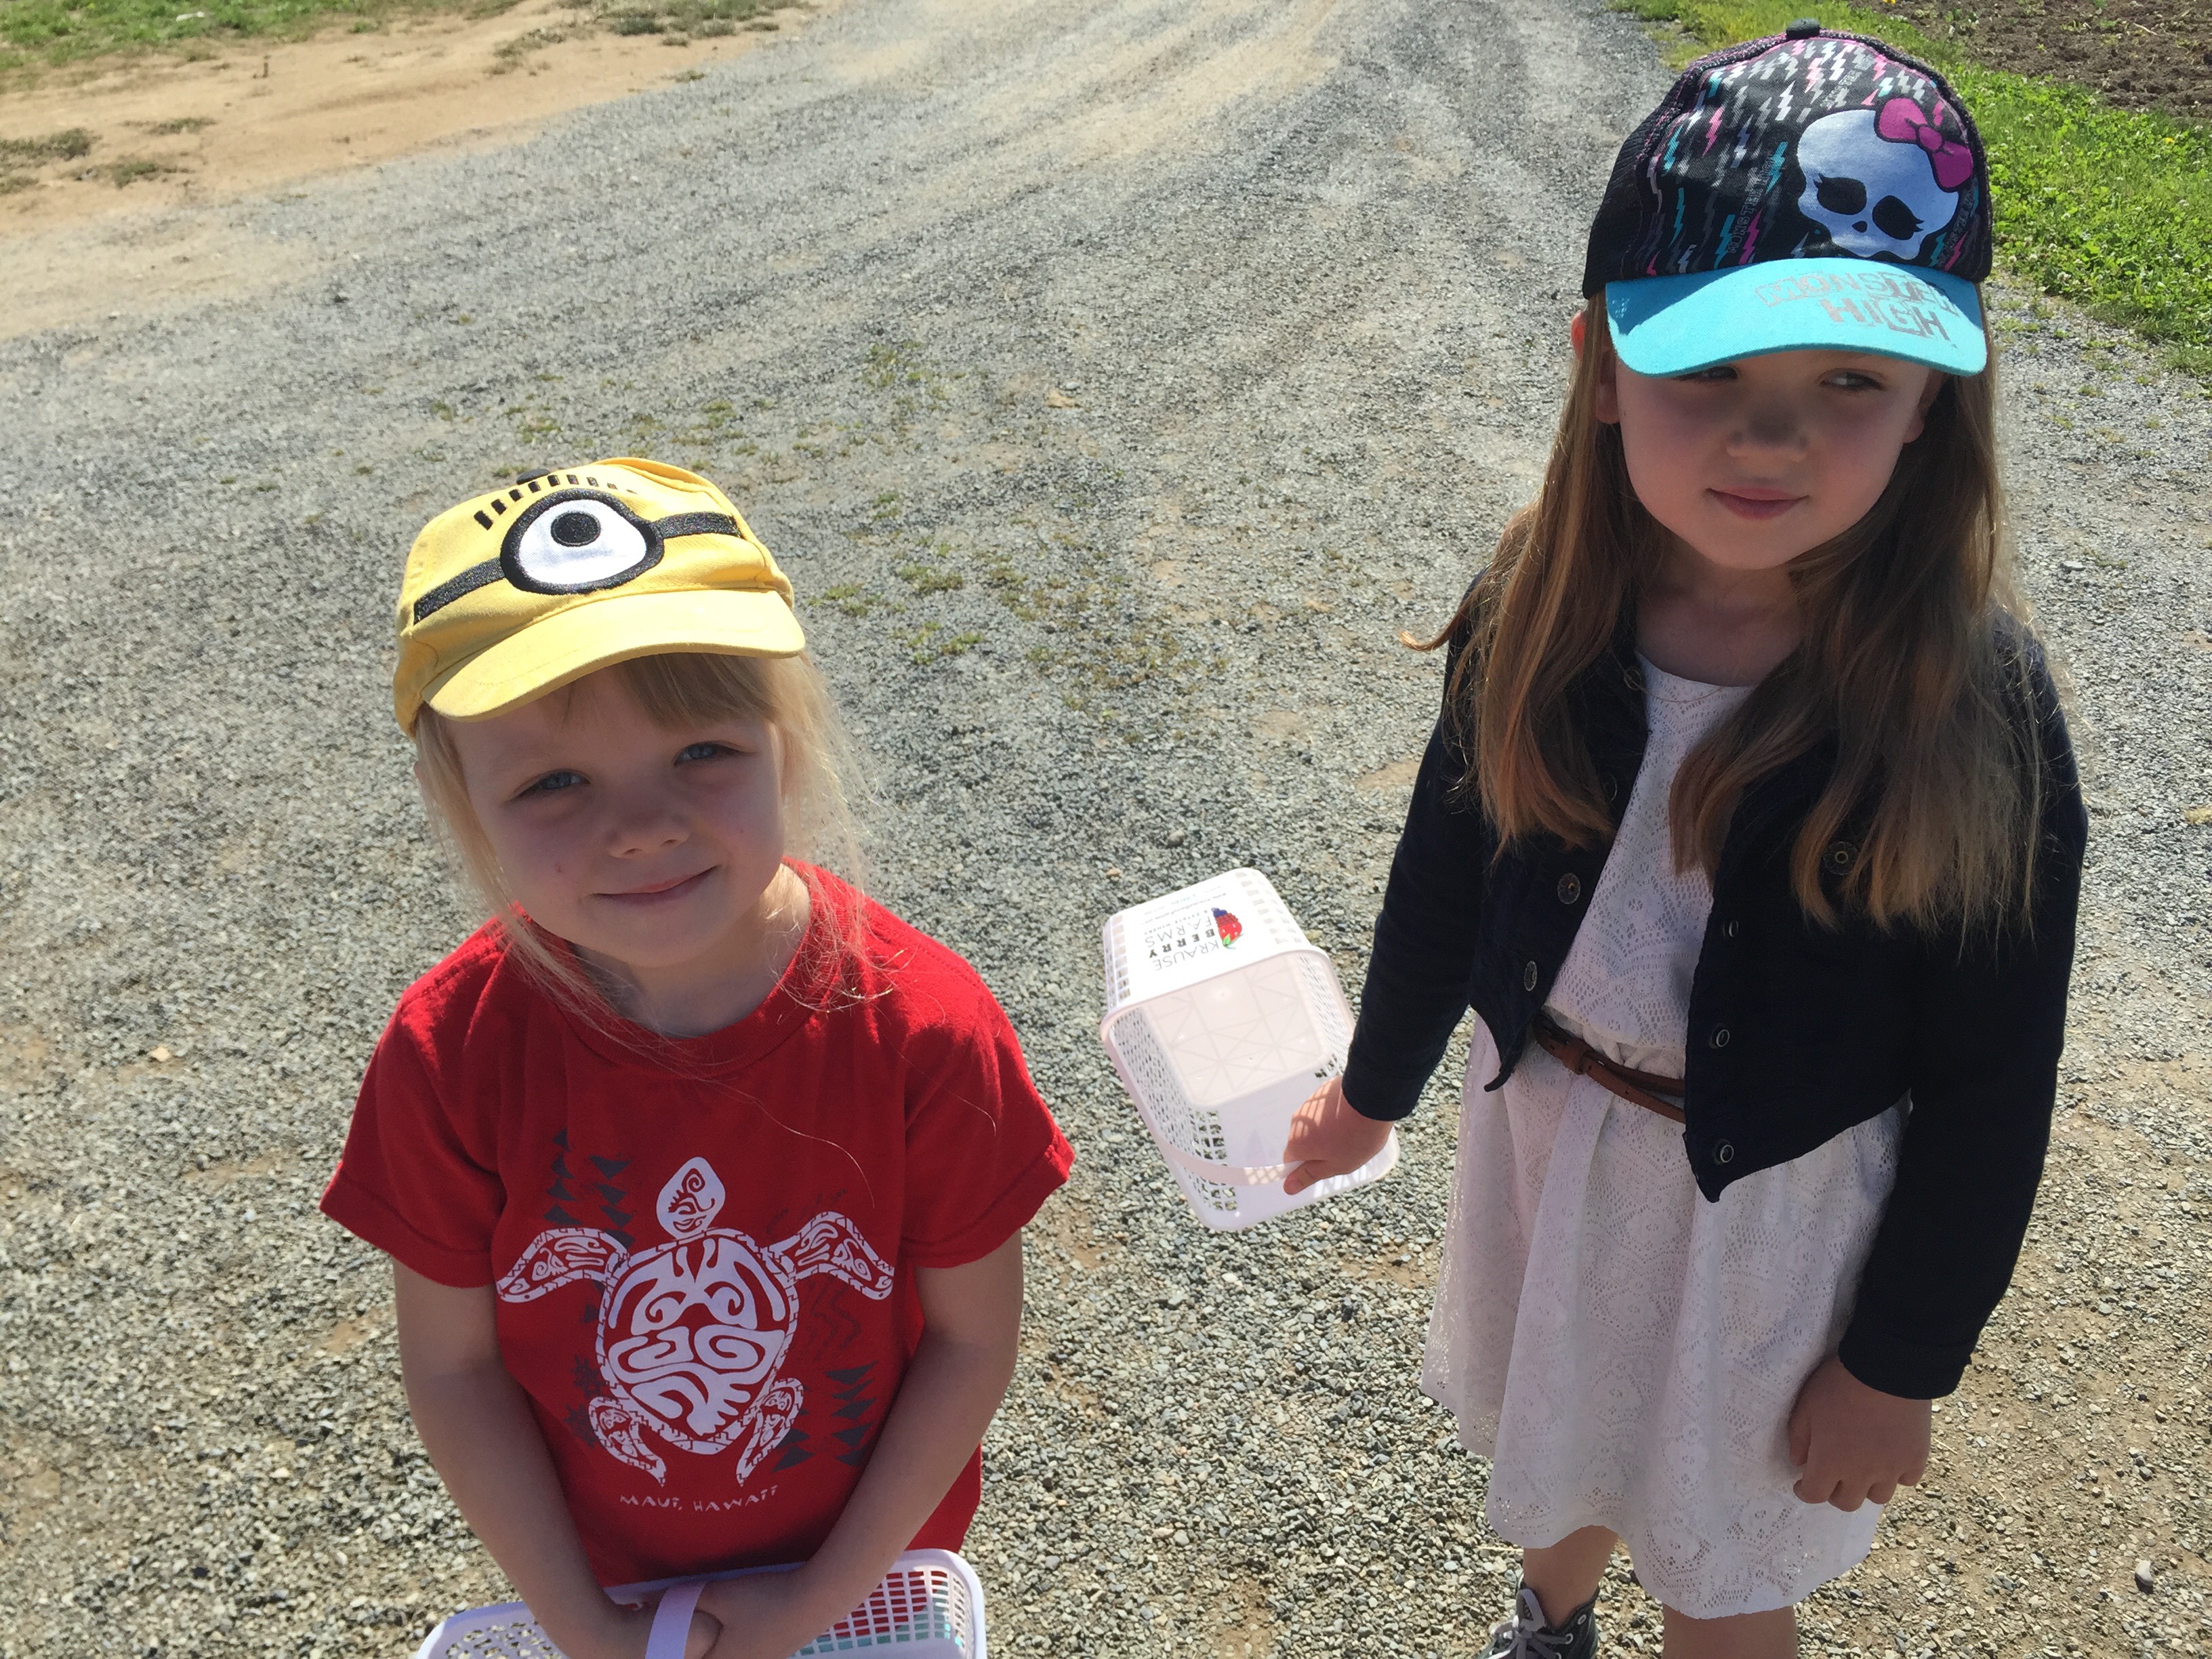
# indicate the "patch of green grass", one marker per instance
pixel 64 146
pixel 36 34
pixel 2110 208
pixel 33 32
pixel 131 169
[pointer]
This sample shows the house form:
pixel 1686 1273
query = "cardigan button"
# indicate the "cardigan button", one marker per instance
pixel 1528 977
pixel 1570 888
pixel 1720 1036
pixel 1725 1152
pixel 1838 857
pixel 1610 784
pixel 1731 929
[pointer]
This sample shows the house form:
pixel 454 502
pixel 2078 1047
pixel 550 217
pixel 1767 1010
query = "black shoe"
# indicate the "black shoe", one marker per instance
pixel 1525 1636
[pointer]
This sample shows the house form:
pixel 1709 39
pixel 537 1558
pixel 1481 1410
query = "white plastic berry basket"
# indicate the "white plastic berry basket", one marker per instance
pixel 1222 1018
pixel 929 1606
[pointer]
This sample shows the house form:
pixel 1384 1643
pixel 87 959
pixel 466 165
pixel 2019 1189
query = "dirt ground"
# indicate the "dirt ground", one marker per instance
pixel 2140 54
pixel 166 132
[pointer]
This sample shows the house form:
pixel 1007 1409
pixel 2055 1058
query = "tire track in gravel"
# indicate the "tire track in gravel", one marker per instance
pixel 1115 379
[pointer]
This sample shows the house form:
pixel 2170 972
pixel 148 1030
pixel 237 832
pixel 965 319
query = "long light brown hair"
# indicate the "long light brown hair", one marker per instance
pixel 1912 662
pixel 677 691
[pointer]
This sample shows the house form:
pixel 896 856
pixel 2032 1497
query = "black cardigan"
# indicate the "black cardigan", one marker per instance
pixel 1796 1031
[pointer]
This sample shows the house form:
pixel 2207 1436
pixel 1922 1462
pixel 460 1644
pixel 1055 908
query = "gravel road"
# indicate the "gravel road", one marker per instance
pixel 1116 378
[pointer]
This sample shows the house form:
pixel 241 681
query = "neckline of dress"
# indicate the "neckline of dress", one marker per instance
pixel 1675 688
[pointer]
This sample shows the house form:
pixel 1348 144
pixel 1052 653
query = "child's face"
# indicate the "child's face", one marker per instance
pixel 1751 462
pixel 649 846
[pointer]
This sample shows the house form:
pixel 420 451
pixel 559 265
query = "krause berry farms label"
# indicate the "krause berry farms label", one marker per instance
pixel 1201 931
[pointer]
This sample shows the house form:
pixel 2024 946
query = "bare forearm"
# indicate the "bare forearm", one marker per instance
pixel 477 1427
pixel 944 1403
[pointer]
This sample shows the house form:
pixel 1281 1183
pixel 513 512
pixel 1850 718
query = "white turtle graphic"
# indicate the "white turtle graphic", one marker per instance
pixel 692 1334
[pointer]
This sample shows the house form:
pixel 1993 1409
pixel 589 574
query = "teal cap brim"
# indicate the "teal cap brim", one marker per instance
pixel 1674 324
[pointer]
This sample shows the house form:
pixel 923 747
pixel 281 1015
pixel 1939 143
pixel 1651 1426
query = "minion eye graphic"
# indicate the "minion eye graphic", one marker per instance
pixel 575 541
pixel 570 541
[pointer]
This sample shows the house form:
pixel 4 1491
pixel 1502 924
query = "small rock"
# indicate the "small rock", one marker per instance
pixel 1178 836
pixel 2146 1578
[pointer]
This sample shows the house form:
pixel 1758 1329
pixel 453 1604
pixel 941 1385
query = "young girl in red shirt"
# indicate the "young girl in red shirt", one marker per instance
pixel 702 1176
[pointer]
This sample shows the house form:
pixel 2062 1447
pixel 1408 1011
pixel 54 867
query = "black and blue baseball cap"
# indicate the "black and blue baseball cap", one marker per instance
pixel 1812 189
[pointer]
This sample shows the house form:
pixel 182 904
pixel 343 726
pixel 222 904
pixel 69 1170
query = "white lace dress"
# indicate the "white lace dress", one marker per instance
pixel 1625 1352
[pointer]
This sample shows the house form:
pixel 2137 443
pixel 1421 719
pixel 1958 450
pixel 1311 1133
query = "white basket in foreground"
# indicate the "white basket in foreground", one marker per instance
pixel 1222 1018
pixel 930 1606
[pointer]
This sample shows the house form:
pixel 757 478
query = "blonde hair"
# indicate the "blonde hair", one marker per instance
pixel 675 689
pixel 1913 661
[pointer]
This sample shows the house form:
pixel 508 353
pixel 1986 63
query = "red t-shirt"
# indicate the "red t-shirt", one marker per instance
pixel 704 1250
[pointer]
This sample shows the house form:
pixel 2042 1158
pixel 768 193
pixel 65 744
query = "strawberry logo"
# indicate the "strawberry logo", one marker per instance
pixel 1228 927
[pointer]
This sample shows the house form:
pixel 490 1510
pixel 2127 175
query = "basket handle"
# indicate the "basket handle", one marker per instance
pixel 672 1621
pixel 1229 1174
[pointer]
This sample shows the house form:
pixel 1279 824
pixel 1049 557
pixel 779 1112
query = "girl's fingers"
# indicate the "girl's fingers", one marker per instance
pixel 1826 1488
pixel 1801 1438
pixel 1881 1492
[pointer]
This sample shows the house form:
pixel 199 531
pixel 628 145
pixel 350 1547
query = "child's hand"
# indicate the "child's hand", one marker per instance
pixel 1855 1444
pixel 764 1615
pixel 1328 1138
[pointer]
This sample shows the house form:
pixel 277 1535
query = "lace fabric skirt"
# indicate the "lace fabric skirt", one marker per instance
pixel 1627 1353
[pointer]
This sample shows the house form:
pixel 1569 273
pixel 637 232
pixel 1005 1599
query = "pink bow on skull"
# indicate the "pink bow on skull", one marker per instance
pixel 1901 122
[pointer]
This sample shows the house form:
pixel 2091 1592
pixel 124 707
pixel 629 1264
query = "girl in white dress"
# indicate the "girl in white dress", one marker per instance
pixel 1750 832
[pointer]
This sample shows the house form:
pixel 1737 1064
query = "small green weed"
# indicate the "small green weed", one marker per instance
pixel 929 578
pixel 932 643
pixel 850 598
pixel 509 55
pixel 181 123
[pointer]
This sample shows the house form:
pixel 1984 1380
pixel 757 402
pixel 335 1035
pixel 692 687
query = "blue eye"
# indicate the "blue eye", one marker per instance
pixel 702 751
pixel 553 782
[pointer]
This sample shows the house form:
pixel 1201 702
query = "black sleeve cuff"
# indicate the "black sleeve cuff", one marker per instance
pixel 1910 1371
pixel 1373 1092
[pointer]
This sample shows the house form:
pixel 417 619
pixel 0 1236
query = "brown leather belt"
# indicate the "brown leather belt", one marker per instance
pixel 1642 1089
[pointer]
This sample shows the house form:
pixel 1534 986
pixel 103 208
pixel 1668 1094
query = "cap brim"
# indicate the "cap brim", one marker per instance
pixel 1674 325
pixel 585 638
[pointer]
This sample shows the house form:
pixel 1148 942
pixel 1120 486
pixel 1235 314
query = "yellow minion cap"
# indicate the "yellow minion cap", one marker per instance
pixel 519 592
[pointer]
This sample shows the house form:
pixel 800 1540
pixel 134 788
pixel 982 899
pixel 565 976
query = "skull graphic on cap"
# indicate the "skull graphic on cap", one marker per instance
pixel 1876 194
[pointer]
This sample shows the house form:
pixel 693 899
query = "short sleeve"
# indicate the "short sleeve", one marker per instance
pixel 982 1150
pixel 413 1181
